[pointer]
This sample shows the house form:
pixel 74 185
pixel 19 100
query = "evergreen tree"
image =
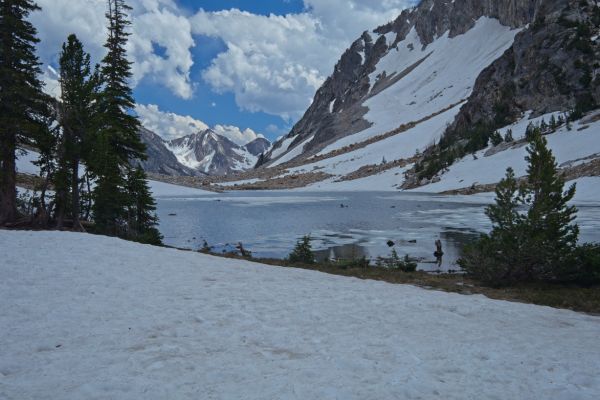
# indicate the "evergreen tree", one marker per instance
pixel 21 99
pixel 508 138
pixel 552 236
pixel 543 126
pixel 141 217
pixel 529 131
pixel 504 213
pixel 495 258
pixel 79 86
pixel 539 244
pixel 117 140
pixel 553 123
pixel 302 253
pixel 496 138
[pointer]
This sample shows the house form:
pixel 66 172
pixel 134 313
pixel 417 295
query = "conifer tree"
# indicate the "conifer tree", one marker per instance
pixel 142 220
pixel 496 138
pixel 552 236
pixel 79 86
pixel 504 214
pixel 117 140
pixel 508 138
pixel 21 98
pixel 538 244
pixel 302 252
pixel 553 123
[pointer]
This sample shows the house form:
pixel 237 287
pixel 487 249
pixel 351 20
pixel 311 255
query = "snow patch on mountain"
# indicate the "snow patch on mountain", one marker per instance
pixel 445 75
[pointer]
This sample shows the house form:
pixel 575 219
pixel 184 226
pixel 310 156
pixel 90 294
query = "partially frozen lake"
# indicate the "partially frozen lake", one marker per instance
pixel 269 223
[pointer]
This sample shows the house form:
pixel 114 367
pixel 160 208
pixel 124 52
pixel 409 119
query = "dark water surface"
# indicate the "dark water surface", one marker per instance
pixel 269 223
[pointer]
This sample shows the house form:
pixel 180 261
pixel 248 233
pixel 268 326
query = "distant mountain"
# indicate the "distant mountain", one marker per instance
pixel 160 159
pixel 258 146
pixel 213 154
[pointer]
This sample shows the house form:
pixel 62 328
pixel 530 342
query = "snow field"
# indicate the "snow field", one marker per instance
pixel 565 145
pixel 95 317
pixel 424 91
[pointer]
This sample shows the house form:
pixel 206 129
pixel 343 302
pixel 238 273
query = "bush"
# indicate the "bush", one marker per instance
pixel 302 253
pixel 584 265
pixel 395 262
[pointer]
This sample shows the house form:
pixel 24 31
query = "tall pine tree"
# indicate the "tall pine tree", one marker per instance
pixel 117 139
pixel 141 217
pixel 21 98
pixel 552 236
pixel 79 86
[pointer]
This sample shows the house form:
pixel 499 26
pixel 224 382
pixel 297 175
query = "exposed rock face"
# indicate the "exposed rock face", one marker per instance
pixel 258 146
pixel 212 154
pixel 337 109
pixel 160 159
pixel 552 66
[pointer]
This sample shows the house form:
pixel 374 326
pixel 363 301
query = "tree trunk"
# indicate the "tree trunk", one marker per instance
pixel 75 195
pixel 8 179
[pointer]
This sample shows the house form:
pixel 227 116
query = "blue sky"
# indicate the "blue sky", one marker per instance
pixel 207 105
pixel 263 7
pixel 241 63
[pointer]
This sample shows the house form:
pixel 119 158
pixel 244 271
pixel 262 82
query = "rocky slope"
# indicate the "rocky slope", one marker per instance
pixel 160 159
pixel 258 146
pixel 339 109
pixel 429 89
pixel 201 154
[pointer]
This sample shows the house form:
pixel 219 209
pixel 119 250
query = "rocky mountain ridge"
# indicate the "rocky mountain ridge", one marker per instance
pixel 213 154
pixel 338 108
pixel 419 103
pixel 200 154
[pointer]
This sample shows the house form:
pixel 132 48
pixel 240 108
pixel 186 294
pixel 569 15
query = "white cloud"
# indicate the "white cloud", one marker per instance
pixel 168 125
pixel 236 135
pixel 171 126
pixel 271 63
pixel 154 21
pixel 276 63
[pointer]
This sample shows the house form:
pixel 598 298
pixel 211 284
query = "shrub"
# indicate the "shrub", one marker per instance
pixel 302 253
pixel 407 265
pixel 584 265
pixel 395 262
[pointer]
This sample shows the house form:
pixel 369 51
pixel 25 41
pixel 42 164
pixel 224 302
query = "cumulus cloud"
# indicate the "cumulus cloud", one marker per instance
pixel 236 135
pixel 275 63
pixel 171 126
pixel 271 63
pixel 156 24
pixel 168 125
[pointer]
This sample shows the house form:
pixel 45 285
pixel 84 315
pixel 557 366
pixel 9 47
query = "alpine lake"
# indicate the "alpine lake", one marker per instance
pixel 342 225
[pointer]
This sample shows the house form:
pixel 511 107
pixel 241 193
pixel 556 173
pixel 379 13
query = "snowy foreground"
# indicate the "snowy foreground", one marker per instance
pixel 89 317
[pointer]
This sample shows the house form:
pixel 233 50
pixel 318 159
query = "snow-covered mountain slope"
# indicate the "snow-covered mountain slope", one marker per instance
pixel 441 74
pixel 160 159
pixel 425 61
pixel 213 154
pixel 410 89
pixel 579 146
pixel 95 317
